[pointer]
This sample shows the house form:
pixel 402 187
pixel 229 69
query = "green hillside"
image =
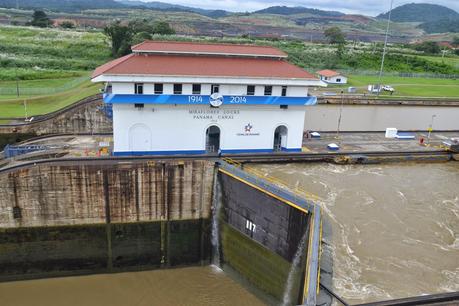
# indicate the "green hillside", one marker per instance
pixel 420 12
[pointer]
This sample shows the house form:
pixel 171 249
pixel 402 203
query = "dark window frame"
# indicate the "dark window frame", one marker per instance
pixel 214 86
pixel 268 90
pixel 157 91
pixel 197 90
pixel 136 88
pixel 284 91
pixel 250 93
pixel 176 90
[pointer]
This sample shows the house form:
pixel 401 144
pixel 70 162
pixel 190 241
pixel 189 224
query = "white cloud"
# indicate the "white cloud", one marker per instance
pixel 364 7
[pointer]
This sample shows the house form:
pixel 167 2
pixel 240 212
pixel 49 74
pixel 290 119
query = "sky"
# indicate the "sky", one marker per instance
pixel 364 7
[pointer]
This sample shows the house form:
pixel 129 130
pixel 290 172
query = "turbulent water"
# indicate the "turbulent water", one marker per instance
pixel 294 270
pixel 216 208
pixel 185 286
pixel 395 227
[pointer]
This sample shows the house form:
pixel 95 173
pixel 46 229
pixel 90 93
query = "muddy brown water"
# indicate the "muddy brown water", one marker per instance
pixel 183 286
pixel 395 226
pixel 395 234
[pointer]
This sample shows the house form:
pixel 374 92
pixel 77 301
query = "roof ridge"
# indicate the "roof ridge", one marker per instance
pixel 206 43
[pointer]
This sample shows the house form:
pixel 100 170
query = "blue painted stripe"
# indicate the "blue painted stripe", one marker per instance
pixel 196 152
pixel 237 151
pixel 140 153
pixel 205 99
pixel 291 150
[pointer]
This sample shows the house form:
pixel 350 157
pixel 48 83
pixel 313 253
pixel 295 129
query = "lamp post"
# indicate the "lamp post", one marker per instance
pixel 430 128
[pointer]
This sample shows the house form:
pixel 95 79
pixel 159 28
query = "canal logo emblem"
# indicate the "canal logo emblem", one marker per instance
pixel 248 131
pixel 216 99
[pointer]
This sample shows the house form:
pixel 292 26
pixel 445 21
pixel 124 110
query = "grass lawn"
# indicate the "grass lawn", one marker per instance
pixel 408 87
pixel 36 83
pixel 453 61
pixel 39 87
pixel 47 103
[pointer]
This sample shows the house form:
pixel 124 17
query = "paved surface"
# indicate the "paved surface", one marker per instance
pixel 89 145
pixel 375 142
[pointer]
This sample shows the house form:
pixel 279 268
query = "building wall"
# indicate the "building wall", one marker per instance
pixel 379 117
pixel 225 89
pixel 334 80
pixel 161 128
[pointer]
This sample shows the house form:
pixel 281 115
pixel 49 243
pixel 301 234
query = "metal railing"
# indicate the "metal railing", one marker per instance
pixel 12 151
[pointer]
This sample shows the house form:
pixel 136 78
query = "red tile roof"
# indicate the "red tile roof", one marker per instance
pixel 175 47
pixel 328 73
pixel 205 66
pixel 107 66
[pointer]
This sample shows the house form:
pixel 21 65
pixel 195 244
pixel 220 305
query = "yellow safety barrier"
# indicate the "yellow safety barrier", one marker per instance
pixel 276 181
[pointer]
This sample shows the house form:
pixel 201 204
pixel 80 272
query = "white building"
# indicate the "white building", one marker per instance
pixel 192 98
pixel 332 77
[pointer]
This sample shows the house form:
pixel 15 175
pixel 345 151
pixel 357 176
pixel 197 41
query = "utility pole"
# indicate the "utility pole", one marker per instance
pixel 385 46
pixel 340 113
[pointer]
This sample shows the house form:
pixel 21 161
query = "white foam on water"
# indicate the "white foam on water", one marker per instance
pixel 216 269
pixel 451 280
pixel 215 231
pixel 287 297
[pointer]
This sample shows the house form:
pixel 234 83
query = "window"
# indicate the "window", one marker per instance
pixel 338 80
pixel 159 88
pixel 138 88
pixel 284 91
pixel 268 90
pixel 196 89
pixel 138 105
pixel 215 88
pixel 177 89
pixel 108 88
pixel 250 90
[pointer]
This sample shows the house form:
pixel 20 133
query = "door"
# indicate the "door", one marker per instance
pixel 140 138
pixel 212 139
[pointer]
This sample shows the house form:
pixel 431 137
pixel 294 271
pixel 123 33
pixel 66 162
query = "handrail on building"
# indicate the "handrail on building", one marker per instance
pixel 299 201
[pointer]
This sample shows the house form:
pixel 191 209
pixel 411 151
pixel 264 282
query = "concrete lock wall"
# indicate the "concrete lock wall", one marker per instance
pixel 58 220
pixel 378 117
pixel 85 116
pixel 260 236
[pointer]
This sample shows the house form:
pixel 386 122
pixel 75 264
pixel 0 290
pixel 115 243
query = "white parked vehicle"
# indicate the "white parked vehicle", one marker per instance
pixel 388 88
pixel 374 88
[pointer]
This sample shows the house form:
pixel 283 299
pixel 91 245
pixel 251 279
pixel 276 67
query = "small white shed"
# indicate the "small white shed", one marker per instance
pixel 332 77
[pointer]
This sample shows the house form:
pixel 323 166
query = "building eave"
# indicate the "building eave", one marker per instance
pixel 150 78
